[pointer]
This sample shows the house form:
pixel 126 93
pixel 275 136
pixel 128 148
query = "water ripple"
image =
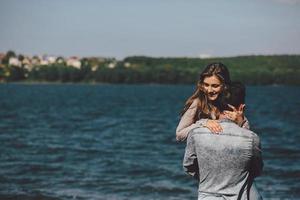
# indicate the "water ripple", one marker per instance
pixel 118 141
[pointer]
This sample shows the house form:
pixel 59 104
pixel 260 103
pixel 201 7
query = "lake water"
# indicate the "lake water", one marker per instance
pixel 118 141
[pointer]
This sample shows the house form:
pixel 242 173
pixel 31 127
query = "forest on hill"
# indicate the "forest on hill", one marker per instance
pixel 252 70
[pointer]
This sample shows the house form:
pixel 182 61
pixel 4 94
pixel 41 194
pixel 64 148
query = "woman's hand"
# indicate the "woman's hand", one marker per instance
pixel 237 115
pixel 213 126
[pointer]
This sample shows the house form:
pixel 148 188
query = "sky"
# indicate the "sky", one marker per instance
pixel 157 28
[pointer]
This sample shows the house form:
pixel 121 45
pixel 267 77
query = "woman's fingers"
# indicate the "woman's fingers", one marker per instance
pixel 214 126
pixel 242 108
pixel 232 107
pixel 237 117
pixel 229 112
pixel 231 115
pixel 213 130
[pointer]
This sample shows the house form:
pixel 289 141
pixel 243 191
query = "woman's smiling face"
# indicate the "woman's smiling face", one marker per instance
pixel 212 87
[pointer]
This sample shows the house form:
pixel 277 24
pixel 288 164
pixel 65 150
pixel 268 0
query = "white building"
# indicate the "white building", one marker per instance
pixel 112 65
pixel 27 63
pixel 94 68
pixel 127 64
pixel 35 60
pixel 74 62
pixel 51 59
pixel 14 61
pixel 44 62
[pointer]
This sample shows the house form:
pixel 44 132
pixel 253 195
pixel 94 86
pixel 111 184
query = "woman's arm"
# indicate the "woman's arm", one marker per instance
pixel 186 122
pixel 245 123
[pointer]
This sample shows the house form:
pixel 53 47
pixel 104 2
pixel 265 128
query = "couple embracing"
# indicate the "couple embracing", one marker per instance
pixel 222 153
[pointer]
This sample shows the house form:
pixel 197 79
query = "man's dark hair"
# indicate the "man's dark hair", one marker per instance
pixel 237 94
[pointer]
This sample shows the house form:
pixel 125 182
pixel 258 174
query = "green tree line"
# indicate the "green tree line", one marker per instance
pixel 252 70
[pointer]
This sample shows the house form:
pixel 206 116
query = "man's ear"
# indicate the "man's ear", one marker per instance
pixel 241 107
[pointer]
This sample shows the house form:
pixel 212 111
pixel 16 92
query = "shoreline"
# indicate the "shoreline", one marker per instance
pixel 84 83
pixel 106 83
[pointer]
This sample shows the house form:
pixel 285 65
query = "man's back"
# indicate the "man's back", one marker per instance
pixel 227 162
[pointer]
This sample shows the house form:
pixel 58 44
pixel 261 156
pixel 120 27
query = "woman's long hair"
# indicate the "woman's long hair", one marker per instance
pixel 204 107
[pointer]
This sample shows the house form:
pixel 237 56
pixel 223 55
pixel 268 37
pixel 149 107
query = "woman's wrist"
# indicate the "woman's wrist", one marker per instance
pixel 240 121
pixel 202 122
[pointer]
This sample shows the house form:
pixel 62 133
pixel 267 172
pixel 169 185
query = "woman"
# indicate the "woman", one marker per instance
pixel 205 105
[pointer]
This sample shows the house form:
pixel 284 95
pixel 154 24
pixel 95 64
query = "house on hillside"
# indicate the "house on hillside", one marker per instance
pixel 14 61
pixel 43 60
pixel 26 63
pixel 51 59
pixel 74 62
pixel 35 60
pixel 112 65
pixel 127 64
pixel 60 60
pixel 94 68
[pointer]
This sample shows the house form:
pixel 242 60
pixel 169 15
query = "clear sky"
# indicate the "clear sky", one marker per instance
pixel 160 28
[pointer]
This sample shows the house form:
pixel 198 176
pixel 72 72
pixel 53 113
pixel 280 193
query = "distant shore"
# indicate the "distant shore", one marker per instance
pixel 251 70
pixel 99 83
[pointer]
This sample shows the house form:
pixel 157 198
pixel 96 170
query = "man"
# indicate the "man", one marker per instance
pixel 225 164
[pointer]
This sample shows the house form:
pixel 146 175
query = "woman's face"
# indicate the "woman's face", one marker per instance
pixel 212 86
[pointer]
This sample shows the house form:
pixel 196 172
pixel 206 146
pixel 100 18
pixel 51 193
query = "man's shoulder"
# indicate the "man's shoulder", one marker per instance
pixel 199 130
pixel 229 129
pixel 234 129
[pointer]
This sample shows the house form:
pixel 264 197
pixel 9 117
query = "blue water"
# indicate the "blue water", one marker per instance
pixel 118 141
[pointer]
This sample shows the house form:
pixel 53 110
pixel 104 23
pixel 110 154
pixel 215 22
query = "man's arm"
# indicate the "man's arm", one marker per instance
pixel 257 162
pixel 190 163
